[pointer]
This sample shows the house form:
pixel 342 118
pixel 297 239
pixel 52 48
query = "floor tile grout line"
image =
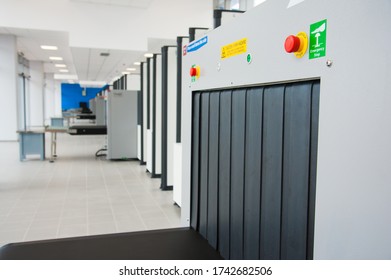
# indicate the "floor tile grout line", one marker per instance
pixel 66 193
pixel 132 199
pixel 108 198
pixel 63 204
pixel 137 210
pixel 24 191
pixel 41 199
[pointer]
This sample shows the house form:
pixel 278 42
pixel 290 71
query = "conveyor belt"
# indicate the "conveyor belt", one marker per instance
pixel 169 244
pixel 86 117
pixel 87 130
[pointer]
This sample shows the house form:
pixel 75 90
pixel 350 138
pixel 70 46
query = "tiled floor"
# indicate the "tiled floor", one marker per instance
pixel 78 194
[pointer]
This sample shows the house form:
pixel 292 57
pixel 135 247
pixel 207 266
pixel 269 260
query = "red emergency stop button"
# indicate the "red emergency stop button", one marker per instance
pixel 193 72
pixel 292 44
pixel 297 44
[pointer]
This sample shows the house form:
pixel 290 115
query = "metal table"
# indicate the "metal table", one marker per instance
pixel 31 142
pixel 53 142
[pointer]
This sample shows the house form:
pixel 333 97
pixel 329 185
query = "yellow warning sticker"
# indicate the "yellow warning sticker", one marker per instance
pixel 235 48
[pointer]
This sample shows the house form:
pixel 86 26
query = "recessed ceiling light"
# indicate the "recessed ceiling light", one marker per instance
pixel 65 77
pixel 148 55
pixel 137 63
pixel 125 73
pixel 60 65
pixel 131 69
pixel 92 83
pixel 55 58
pixel 64 70
pixel 50 48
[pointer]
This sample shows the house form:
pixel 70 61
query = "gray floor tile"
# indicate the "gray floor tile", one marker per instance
pixel 157 223
pixel 72 230
pixel 15 226
pixel 78 194
pixel 38 224
pixel 12 236
pixel 106 218
pixel 101 228
pixel 43 233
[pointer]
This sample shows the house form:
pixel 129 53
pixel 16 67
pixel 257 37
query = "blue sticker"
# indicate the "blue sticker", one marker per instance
pixel 196 45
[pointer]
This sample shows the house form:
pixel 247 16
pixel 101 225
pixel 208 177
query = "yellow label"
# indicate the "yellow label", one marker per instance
pixel 234 48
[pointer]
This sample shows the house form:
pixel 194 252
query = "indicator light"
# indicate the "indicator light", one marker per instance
pixel 297 44
pixel 195 72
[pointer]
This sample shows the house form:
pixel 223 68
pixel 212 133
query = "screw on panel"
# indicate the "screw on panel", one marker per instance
pixel 329 63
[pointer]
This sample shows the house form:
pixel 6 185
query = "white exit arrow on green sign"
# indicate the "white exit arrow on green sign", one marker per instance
pixel 318 32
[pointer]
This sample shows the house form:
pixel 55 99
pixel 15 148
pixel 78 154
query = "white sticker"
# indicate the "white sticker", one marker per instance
pixel 294 3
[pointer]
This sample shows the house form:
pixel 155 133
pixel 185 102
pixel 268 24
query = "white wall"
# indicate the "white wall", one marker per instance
pixel 171 112
pixel 35 98
pixel 57 98
pixel 133 82
pixel 49 98
pixel 105 26
pixel 158 128
pixel 8 92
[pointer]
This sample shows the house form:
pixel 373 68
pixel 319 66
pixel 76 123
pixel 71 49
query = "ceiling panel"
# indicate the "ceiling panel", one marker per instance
pixel 29 45
pixel 143 4
pixel 87 63
pixel 90 65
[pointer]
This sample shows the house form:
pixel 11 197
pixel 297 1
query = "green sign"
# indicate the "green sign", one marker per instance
pixel 318 32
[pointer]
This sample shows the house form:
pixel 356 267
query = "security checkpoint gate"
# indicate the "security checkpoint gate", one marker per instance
pixel 285 143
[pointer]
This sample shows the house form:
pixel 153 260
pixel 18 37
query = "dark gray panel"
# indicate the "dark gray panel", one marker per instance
pixel 224 173
pixel 237 172
pixel 297 117
pixel 313 165
pixel 204 158
pixel 252 187
pixel 273 112
pixel 195 161
pixel 213 167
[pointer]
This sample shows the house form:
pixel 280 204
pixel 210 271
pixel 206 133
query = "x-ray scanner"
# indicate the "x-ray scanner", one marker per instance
pixel 285 143
pixel 122 124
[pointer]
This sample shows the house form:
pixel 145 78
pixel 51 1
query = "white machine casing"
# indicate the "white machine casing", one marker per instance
pixel 122 124
pixel 353 193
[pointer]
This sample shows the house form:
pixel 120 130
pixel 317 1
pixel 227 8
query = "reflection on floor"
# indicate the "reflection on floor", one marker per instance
pixel 78 194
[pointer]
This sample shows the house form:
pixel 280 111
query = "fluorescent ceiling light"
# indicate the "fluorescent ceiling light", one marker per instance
pixel 125 73
pixel 51 48
pixel 148 55
pixel 65 77
pixel 92 83
pixel 131 69
pixel 137 63
pixel 55 58
pixel 60 65
pixel 64 70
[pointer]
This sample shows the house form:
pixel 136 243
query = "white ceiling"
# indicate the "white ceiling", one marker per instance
pixel 130 3
pixel 91 66
pixel 29 44
pixel 86 63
